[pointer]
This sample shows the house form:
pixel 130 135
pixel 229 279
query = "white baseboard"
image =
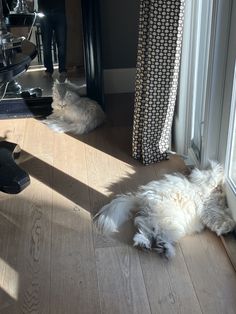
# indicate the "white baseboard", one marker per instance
pixel 119 80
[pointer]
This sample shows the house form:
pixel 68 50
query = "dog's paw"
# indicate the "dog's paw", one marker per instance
pixel 226 227
pixel 165 248
pixel 141 241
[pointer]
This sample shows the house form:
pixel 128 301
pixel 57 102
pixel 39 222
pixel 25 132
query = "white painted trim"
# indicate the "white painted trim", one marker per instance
pixel 202 76
pixel 230 193
pixel 228 103
pixel 202 64
pixel 230 184
pixel 228 86
pixel 216 81
pixel 119 80
pixel 195 63
pixel 231 125
pixel 182 118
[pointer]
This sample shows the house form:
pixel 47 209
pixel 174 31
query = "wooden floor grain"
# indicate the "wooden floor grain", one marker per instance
pixel 52 260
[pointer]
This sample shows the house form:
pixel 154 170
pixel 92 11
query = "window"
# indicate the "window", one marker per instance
pixel 231 153
pixel 206 112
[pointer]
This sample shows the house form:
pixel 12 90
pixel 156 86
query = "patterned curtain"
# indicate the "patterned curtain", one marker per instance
pixel 158 61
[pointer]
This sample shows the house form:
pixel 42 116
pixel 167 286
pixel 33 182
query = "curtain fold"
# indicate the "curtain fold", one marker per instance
pixel 158 61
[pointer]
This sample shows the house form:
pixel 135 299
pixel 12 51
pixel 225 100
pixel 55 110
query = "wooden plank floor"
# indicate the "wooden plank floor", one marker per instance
pixel 52 260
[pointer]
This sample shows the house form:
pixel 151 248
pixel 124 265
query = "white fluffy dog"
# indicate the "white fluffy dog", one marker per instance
pixel 164 211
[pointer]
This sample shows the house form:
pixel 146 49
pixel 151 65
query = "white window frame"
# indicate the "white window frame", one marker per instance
pixel 216 36
pixel 229 104
pixel 206 36
pixel 230 185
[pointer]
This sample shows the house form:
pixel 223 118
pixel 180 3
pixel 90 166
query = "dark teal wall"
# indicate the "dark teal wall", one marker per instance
pixel 119 28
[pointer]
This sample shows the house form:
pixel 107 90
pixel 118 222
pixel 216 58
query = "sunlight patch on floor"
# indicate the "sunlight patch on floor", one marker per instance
pixel 10 280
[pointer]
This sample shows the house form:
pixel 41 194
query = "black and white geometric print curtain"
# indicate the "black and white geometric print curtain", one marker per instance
pixel 158 61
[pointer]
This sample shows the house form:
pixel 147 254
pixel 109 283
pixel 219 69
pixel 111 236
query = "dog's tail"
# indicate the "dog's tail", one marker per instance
pixel 113 215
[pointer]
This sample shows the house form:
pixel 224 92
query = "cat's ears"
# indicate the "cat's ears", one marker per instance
pixel 58 82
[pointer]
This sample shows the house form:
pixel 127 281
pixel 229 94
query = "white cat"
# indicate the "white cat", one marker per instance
pixel 71 112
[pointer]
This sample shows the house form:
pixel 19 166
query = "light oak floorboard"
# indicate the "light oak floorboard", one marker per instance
pixel 121 285
pixel 211 272
pixel 169 285
pixel 8 225
pixel 28 253
pixel 53 260
pixel 229 242
pixel 104 178
pixel 74 287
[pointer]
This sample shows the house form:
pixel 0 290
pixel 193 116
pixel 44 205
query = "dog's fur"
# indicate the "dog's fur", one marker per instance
pixel 165 211
pixel 72 113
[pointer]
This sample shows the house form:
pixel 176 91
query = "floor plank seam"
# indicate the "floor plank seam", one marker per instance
pixel 144 282
pixel 92 230
pixel 194 288
pixel 227 251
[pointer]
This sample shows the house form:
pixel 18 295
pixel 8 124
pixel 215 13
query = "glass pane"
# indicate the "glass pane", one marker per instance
pixel 232 163
pixel 231 145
